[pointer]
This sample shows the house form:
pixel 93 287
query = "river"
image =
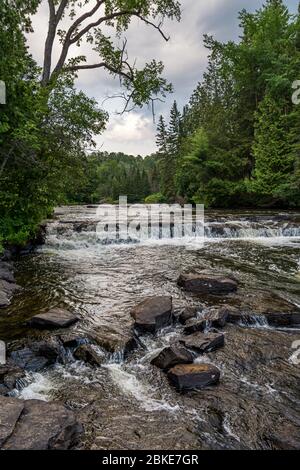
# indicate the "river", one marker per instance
pixel 129 404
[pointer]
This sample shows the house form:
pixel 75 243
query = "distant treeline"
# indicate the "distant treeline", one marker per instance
pixel 237 142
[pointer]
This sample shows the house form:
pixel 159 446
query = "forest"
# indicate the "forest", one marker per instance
pixel 235 144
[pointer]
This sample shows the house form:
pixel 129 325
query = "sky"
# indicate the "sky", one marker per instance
pixel 184 57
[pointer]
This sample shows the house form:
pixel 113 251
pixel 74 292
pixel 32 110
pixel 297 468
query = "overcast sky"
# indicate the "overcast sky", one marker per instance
pixel 184 57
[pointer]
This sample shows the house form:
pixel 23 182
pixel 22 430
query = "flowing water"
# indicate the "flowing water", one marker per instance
pixel 129 404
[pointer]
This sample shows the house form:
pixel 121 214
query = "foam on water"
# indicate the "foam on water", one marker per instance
pixel 39 388
pixel 129 384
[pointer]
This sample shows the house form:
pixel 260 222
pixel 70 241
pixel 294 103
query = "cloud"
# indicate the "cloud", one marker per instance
pixel 184 56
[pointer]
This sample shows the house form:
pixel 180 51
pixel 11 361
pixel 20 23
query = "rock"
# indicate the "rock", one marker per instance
pixel 87 353
pixel 215 318
pixel 193 376
pixel 36 425
pixel 28 360
pixel 6 274
pixel 114 340
pixel 153 314
pixel 187 314
pixel 71 340
pixel 55 318
pixel 171 356
pixel 204 343
pixel 207 284
pixel 10 412
pixel 38 355
pixel 10 373
pixel 7 290
pixel 276 319
pixel 192 326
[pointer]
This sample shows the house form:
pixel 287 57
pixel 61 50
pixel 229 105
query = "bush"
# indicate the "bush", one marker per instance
pixel 156 198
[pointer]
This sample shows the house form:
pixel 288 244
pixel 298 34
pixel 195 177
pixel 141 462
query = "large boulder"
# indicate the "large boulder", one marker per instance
pixel 88 354
pixel 193 376
pixel 36 425
pixel 55 318
pixel 171 356
pixel 115 340
pixel 207 284
pixel 204 343
pixel 153 314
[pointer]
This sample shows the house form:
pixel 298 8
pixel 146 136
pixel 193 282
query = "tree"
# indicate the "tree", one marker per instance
pixel 141 86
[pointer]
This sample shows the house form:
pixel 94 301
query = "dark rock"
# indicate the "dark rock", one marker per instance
pixel 36 425
pixel 215 318
pixel 71 340
pixel 193 376
pixel 276 319
pixel 171 356
pixel 28 360
pixel 7 290
pixel 51 349
pixel 204 343
pixel 10 373
pixel 55 318
pixel 6 274
pixel 206 284
pixel 187 314
pixel 192 326
pixel 153 314
pixel 87 353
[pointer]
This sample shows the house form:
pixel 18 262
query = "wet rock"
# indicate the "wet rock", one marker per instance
pixel 171 356
pixel 28 360
pixel 193 376
pixel 38 355
pixel 10 373
pixel 36 425
pixel 87 353
pixel 204 343
pixel 114 340
pixel 215 318
pixel 187 314
pixel 153 314
pixel 71 340
pixel 192 326
pixel 55 318
pixel 7 290
pixel 206 284
pixel 6 273
pixel 276 319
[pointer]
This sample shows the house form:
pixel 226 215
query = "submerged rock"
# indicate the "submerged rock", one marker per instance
pixel 7 290
pixel 153 314
pixel 171 356
pixel 204 343
pixel 193 376
pixel 36 425
pixel 87 353
pixel 55 318
pixel 207 284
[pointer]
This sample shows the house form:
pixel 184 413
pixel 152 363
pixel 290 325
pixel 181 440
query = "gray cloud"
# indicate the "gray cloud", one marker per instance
pixel 184 56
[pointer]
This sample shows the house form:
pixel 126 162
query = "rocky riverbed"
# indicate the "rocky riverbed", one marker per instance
pixel 155 346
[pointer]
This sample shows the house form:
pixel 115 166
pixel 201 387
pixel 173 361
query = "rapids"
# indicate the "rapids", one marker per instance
pixel 129 404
